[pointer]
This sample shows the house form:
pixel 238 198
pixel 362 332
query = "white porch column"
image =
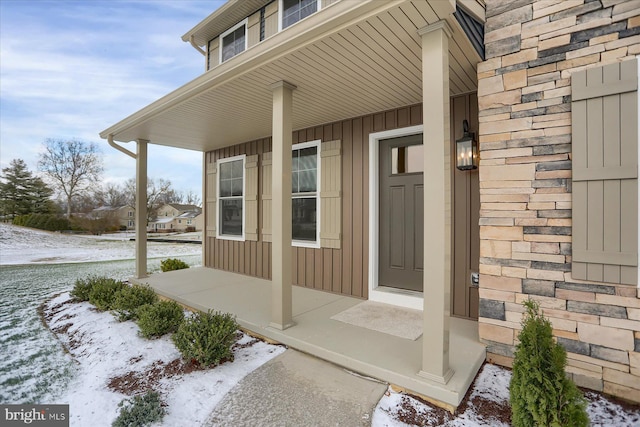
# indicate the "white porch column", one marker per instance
pixel 281 280
pixel 437 202
pixel 141 209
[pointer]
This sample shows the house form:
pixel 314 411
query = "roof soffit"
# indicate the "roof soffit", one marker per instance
pixel 366 60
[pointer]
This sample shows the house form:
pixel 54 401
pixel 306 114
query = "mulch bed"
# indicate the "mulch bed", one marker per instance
pixel 435 415
pixel 138 382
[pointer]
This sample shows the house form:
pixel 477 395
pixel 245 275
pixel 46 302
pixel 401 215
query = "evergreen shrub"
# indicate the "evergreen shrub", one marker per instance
pixel 171 264
pixel 43 222
pixel 140 411
pixel 129 299
pixel 103 292
pixel 82 288
pixel 541 394
pixel 162 317
pixel 207 337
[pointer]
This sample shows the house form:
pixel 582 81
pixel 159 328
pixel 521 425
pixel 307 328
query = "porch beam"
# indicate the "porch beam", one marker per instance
pixel 437 202
pixel 141 209
pixel 281 276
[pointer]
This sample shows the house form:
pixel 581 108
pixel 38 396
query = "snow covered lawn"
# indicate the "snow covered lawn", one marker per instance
pixel 22 245
pixel 113 360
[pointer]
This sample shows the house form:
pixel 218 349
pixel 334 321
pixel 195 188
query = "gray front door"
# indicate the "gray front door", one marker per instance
pixel 401 213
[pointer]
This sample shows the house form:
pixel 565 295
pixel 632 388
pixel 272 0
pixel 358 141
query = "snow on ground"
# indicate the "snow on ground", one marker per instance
pixel 21 245
pixel 488 405
pixel 105 348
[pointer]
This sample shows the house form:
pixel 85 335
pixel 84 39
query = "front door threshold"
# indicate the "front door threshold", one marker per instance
pixel 399 297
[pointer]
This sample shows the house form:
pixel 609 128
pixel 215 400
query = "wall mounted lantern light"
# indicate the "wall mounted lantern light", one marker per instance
pixel 466 150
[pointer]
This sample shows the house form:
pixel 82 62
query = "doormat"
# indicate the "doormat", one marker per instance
pixel 389 319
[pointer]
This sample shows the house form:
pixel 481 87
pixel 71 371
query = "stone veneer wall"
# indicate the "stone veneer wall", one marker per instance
pixel 524 95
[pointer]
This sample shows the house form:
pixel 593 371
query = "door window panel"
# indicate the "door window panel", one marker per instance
pixel 407 159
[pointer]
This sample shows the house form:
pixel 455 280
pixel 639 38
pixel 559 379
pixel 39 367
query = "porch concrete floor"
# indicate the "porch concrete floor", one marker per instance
pixel 370 353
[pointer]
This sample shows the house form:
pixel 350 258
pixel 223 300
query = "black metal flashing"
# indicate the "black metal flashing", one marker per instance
pixel 472 28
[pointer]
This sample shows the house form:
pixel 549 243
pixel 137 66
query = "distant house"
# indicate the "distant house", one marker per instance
pixel 177 217
pixel 123 215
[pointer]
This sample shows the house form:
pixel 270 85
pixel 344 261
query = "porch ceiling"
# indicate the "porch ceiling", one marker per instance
pixel 349 59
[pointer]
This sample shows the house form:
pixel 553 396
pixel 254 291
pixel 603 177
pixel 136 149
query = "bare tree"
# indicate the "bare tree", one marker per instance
pixel 113 195
pixel 73 166
pixel 192 198
pixel 158 190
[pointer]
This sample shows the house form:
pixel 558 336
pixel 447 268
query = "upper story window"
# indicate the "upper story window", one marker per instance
pixel 231 198
pixel 233 41
pixel 305 193
pixel 296 10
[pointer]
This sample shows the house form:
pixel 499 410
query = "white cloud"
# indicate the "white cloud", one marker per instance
pixel 70 69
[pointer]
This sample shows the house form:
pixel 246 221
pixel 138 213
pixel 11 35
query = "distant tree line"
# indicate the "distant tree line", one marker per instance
pixel 70 187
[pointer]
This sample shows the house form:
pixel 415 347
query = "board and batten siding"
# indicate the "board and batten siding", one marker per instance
pixel 605 173
pixel 344 270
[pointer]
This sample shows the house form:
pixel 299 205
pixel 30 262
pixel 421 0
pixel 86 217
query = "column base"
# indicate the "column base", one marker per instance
pixel 437 378
pixel 281 327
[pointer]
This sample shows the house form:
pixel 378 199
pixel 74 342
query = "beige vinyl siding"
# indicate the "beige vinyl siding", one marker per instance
pixel 605 173
pixel 330 194
pixel 213 53
pixel 326 3
pixel 343 270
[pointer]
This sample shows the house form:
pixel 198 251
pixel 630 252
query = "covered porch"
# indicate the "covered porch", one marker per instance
pixel 347 60
pixel 375 354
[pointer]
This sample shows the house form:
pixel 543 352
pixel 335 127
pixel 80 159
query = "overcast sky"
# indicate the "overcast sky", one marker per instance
pixel 72 68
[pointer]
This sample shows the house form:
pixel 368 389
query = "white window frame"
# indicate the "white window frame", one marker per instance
pixel 240 238
pixel 229 31
pixel 281 14
pixel 305 243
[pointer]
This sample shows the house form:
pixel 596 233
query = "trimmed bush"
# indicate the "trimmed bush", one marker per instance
pixel 129 299
pixel 160 318
pixel 140 411
pixel 48 222
pixel 540 392
pixel 82 288
pixel 171 264
pixel 206 337
pixel 103 292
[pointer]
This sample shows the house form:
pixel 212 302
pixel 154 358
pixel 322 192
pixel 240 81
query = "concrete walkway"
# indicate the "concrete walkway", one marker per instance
pixel 295 389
